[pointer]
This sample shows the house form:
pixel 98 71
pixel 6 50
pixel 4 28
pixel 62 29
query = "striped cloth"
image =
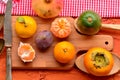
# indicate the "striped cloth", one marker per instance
pixel 106 8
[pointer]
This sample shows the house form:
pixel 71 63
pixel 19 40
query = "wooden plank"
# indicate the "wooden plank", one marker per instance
pixel 45 59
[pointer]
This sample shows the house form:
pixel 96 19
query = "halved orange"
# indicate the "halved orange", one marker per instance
pixel 26 52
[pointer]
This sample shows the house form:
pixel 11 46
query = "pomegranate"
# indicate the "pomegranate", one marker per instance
pixel 47 8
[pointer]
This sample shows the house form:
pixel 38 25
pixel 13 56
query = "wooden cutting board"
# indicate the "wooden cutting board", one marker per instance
pixel 45 60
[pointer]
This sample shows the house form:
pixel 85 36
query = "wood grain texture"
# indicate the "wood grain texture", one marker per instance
pixel 45 59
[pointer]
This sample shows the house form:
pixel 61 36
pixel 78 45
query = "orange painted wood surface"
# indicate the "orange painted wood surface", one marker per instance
pixel 72 74
pixel 46 60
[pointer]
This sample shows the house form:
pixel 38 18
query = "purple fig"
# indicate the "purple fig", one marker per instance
pixel 44 39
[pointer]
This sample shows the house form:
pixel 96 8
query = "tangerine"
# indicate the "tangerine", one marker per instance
pixel 26 52
pixel 61 28
pixel 64 52
pixel 25 26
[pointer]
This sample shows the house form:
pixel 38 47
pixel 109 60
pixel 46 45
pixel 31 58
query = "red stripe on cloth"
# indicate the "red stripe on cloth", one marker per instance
pixel 106 8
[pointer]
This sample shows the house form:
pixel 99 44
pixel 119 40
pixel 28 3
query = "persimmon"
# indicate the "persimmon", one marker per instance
pixel 98 61
pixel 64 52
pixel 61 28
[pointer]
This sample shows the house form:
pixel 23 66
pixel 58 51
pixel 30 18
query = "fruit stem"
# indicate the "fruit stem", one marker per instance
pixel 65 50
pixel 25 24
pixel 61 24
pixel 89 19
pixel 47 1
pixel 43 37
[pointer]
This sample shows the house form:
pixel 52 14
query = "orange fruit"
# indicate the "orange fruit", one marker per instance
pixel 61 27
pixel 26 52
pixel 64 52
pixel 25 26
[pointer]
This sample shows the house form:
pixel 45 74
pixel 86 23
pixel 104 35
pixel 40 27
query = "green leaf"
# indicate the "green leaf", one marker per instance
pixel 21 19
